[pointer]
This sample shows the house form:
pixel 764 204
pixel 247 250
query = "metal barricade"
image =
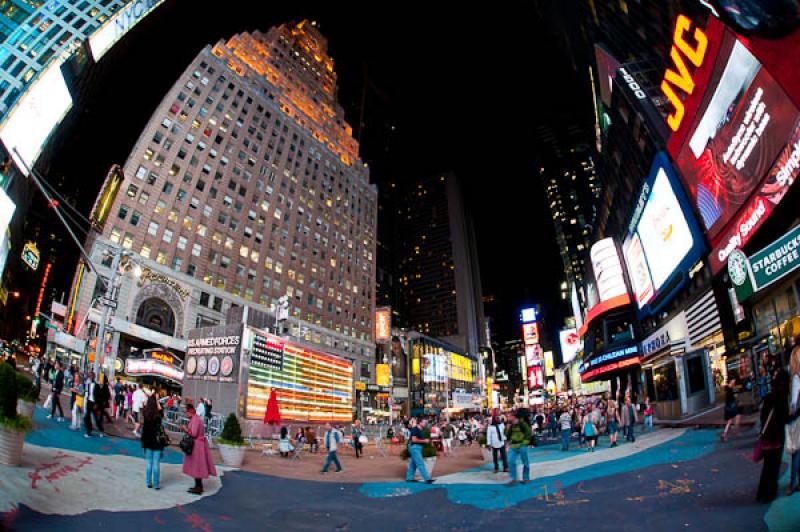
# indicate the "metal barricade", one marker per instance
pixel 175 419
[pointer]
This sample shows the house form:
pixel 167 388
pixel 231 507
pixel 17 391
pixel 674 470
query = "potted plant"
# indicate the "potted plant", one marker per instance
pixel 12 425
pixel 428 453
pixel 231 444
pixel 28 394
pixel 486 452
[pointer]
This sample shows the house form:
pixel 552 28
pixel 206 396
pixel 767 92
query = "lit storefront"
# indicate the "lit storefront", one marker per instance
pixel 438 369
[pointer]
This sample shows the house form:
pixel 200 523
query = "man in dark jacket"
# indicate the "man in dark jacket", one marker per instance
pixel 58 385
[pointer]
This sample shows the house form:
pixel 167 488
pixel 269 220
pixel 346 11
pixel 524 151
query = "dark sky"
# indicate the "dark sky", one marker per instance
pixel 464 87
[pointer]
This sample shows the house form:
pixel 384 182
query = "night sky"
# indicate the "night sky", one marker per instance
pixel 464 89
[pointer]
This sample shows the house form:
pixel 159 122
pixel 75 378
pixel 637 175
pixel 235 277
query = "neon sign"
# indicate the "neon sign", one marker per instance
pixel 682 79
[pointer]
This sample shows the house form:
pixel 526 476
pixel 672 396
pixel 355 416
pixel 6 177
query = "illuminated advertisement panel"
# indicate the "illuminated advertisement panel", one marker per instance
pixel 460 368
pixel 759 207
pixel 7 208
pixel 36 114
pixel 664 240
pixel 607 270
pixel 528 315
pixel 120 24
pixel 609 361
pixel 530 333
pixel 383 324
pixel 533 354
pixel 570 344
pixel 152 367
pixel 434 368
pixel 535 377
pixel 311 386
pixel 741 129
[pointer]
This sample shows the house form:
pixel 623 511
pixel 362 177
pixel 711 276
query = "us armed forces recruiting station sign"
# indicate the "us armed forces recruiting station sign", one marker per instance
pixel 749 275
pixel 213 353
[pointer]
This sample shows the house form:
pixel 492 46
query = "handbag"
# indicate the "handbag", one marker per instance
pixel 79 402
pixel 758 452
pixel 363 440
pixel 187 444
pixel 162 438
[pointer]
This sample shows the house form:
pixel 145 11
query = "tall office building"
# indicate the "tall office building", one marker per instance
pixel 245 186
pixel 572 186
pixel 437 263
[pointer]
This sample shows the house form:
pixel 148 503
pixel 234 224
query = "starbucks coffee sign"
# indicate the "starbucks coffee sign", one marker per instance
pixel 749 275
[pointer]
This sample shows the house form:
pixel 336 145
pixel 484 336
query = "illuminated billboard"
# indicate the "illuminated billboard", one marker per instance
pixel 570 344
pixel 528 315
pixel 530 333
pixel 434 368
pixel 460 368
pixel 607 269
pixel 311 386
pixel 742 128
pixel 383 324
pixel 533 354
pixel 663 239
pixel 36 114
pixel 119 24
pixel 7 208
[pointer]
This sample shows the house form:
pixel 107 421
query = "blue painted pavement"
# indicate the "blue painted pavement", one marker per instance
pixel 50 433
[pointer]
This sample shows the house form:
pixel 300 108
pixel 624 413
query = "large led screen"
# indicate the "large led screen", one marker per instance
pixel 35 116
pixel 570 344
pixel 742 124
pixel 607 270
pixel 664 238
pixel 120 24
pixel 310 386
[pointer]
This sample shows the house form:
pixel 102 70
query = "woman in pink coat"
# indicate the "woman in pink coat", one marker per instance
pixel 199 465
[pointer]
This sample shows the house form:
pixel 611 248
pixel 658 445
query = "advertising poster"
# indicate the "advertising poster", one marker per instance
pixel 570 344
pixel 607 270
pixel 530 333
pixel 638 271
pixel 745 123
pixel 434 368
pixel 400 362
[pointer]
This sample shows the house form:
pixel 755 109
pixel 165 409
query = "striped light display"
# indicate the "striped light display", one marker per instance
pixel 312 386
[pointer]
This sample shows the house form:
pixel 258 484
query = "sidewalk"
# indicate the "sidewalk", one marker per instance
pixel 711 418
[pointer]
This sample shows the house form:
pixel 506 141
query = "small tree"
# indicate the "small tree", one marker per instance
pixel 26 389
pixel 428 449
pixel 231 432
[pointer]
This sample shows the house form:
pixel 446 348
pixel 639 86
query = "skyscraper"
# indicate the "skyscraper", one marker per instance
pixel 245 186
pixel 572 186
pixel 437 263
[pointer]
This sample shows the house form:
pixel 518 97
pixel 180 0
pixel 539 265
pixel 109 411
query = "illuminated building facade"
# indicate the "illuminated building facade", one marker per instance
pixel 246 186
pixel 438 275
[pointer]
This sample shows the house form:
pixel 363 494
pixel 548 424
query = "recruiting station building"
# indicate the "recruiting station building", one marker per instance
pixel 237 365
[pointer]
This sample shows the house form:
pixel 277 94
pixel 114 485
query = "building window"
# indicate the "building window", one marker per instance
pixel 135 217
pixel 145 252
pixel 204 298
pixel 167 236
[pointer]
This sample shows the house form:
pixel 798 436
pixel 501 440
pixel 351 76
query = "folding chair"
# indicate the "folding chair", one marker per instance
pixel 298 452
pixel 380 447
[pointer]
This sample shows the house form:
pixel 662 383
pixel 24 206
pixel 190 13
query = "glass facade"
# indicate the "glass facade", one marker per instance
pixel 35 32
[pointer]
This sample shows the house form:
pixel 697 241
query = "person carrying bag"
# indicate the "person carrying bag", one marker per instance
pixel 792 444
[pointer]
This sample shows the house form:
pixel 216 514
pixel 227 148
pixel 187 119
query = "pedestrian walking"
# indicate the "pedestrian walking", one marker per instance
pixel 519 436
pixel 629 419
pixel 152 441
pixel 612 421
pixel 90 391
pixel 332 439
pixel 355 433
pixel 448 432
pixel 774 415
pixel 103 399
pixel 119 398
pixel 199 465
pixel 731 412
pixel 58 386
pixel 648 415
pixel 793 431
pixel 416 442
pixel 589 428
pixel 76 401
pixel 139 399
pixel 565 422
pixel 496 438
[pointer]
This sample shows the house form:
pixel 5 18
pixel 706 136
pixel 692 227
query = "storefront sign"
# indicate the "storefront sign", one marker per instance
pixel 675 330
pixel 360 386
pixel 212 353
pixel 146 367
pixel 611 356
pixel 749 275
pixel 463 400
pixel 155 277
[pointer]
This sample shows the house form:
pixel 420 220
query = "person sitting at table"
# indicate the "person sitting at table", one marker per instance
pixel 311 438
pixel 284 443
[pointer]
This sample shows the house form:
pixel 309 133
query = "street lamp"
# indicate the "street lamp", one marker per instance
pixel 121 263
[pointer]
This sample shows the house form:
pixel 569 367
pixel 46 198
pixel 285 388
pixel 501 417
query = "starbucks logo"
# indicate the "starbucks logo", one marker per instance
pixel 737 267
